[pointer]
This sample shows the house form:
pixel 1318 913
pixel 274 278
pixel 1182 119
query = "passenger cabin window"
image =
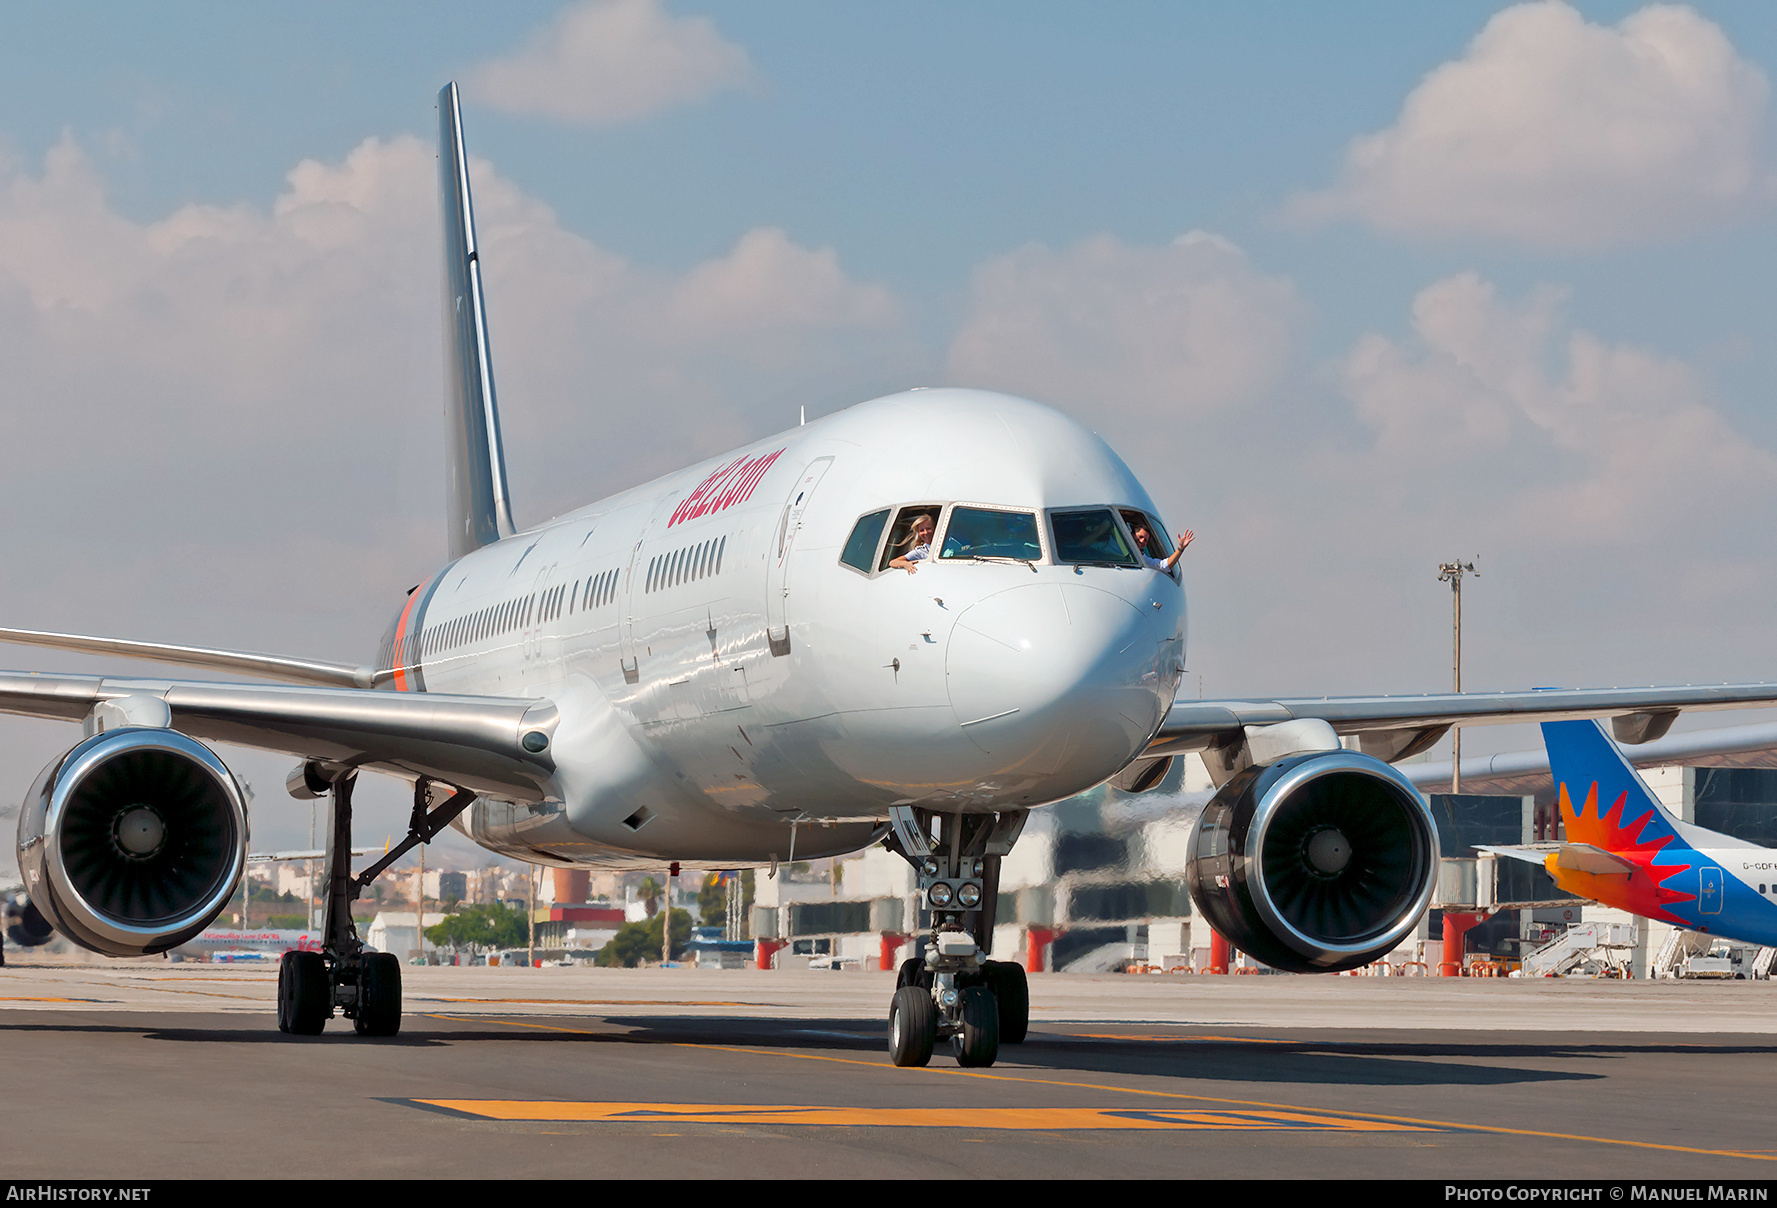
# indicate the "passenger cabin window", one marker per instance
pixel 684 565
pixel 1091 537
pixel 901 540
pixel 990 533
pixel 860 547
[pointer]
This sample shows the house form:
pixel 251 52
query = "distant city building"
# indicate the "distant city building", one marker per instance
pixel 292 877
pixel 398 932
pixel 443 884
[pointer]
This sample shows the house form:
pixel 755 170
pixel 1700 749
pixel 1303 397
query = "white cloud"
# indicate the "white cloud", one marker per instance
pixel 1183 330
pixel 1559 133
pixel 223 425
pixel 769 281
pixel 602 62
pixel 1559 434
pixel 291 327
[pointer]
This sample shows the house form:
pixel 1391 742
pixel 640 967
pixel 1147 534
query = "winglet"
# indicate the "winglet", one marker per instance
pixel 475 489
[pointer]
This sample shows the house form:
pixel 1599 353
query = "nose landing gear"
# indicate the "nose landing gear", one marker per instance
pixel 955 993
pixel 364 986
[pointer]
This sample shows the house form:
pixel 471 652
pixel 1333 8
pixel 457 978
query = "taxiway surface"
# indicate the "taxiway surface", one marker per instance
pixel 146 1070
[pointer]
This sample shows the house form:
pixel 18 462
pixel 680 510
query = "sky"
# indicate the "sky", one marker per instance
pixel 1355 289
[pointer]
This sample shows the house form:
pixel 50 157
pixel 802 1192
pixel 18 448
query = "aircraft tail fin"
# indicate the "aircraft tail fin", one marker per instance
pixel 475 490
pixel 1604 802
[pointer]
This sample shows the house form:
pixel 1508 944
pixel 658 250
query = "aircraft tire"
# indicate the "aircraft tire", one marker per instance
pixel 379 995
pixel 1012 991
pixel 978 1043
pixel 913 1026
pixel 913 973
pixel 305 996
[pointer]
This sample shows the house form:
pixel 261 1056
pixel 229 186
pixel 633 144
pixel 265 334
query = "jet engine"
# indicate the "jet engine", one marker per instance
pixel 133 841
pixel 25 925
pixel 1315 863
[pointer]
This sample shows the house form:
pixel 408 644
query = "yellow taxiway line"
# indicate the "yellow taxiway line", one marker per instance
pixel 1407 1121
pixel 1071 1118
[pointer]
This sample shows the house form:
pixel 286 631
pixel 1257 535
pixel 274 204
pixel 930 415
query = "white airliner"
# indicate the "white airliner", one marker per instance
pixel 725 666
pixel 244 943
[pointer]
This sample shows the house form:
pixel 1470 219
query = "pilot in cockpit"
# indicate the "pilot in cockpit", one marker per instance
pixel 1150 548
pixel 919 538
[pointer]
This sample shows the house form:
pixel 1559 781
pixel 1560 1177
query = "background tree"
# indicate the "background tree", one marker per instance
pixel 637 942
pixel 712 900
pixel 490 926
pixel 650 892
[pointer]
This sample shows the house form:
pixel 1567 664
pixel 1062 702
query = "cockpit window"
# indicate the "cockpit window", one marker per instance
pixel 1140 522
pixel 1092 537
pixel 860 547
pixel 989 533
pixel 904 538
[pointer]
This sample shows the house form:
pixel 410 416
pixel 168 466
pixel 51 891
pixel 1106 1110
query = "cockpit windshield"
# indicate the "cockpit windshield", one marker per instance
pixel 912 533
pixel 1150 536
pixel 990 533
pixel 1092 537
pixel 860 547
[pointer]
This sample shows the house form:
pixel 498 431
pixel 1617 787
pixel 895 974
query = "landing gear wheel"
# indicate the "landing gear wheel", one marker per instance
pixel 978 1043
pixel 913 1026
pixel 1011 990
pixel 305 993
pixel 913 972
pixel 379 995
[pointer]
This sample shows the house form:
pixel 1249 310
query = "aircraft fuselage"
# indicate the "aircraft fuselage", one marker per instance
pixel 727 655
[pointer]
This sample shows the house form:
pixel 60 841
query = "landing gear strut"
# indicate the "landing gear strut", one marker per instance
pixel 363 986
pixel 955 993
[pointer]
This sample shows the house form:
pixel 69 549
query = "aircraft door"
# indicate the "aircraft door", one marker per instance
pixel 532 637
pixel 783 544
pixel 627 625
pixel 1710 891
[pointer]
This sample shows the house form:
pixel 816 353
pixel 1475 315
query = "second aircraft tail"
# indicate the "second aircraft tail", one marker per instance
pixel 1622 844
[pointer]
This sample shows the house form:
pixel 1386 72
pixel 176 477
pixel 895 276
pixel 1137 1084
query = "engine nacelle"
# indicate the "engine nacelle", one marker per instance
pixel 1315 863
pixel 25 925
pixel 133 841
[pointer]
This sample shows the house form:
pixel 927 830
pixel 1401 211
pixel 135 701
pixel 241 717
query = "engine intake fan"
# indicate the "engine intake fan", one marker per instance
pixel 132 842
pixel 1316 863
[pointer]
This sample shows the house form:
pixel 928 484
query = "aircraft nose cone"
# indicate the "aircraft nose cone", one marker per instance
pixel 1059 681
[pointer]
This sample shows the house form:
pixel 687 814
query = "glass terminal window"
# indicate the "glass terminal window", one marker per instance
pixel 1092 537
pixel 990 533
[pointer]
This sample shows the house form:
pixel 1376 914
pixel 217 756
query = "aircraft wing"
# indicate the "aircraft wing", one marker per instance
pixel 1524 772
pixel 473 742
pixel 261 666
pixel 1394 727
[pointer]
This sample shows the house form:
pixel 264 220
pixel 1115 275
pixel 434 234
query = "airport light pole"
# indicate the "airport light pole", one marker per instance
pixel 1452 573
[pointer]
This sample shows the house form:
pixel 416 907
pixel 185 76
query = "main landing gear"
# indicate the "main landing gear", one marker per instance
pixel 363 986
pixel 954 992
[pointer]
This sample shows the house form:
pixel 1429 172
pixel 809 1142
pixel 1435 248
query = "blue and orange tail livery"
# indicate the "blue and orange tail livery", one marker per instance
pixel 1605 805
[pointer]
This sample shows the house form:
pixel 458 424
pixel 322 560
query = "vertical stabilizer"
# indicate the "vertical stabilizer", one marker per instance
pixel 1605 802
pixel 475 467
